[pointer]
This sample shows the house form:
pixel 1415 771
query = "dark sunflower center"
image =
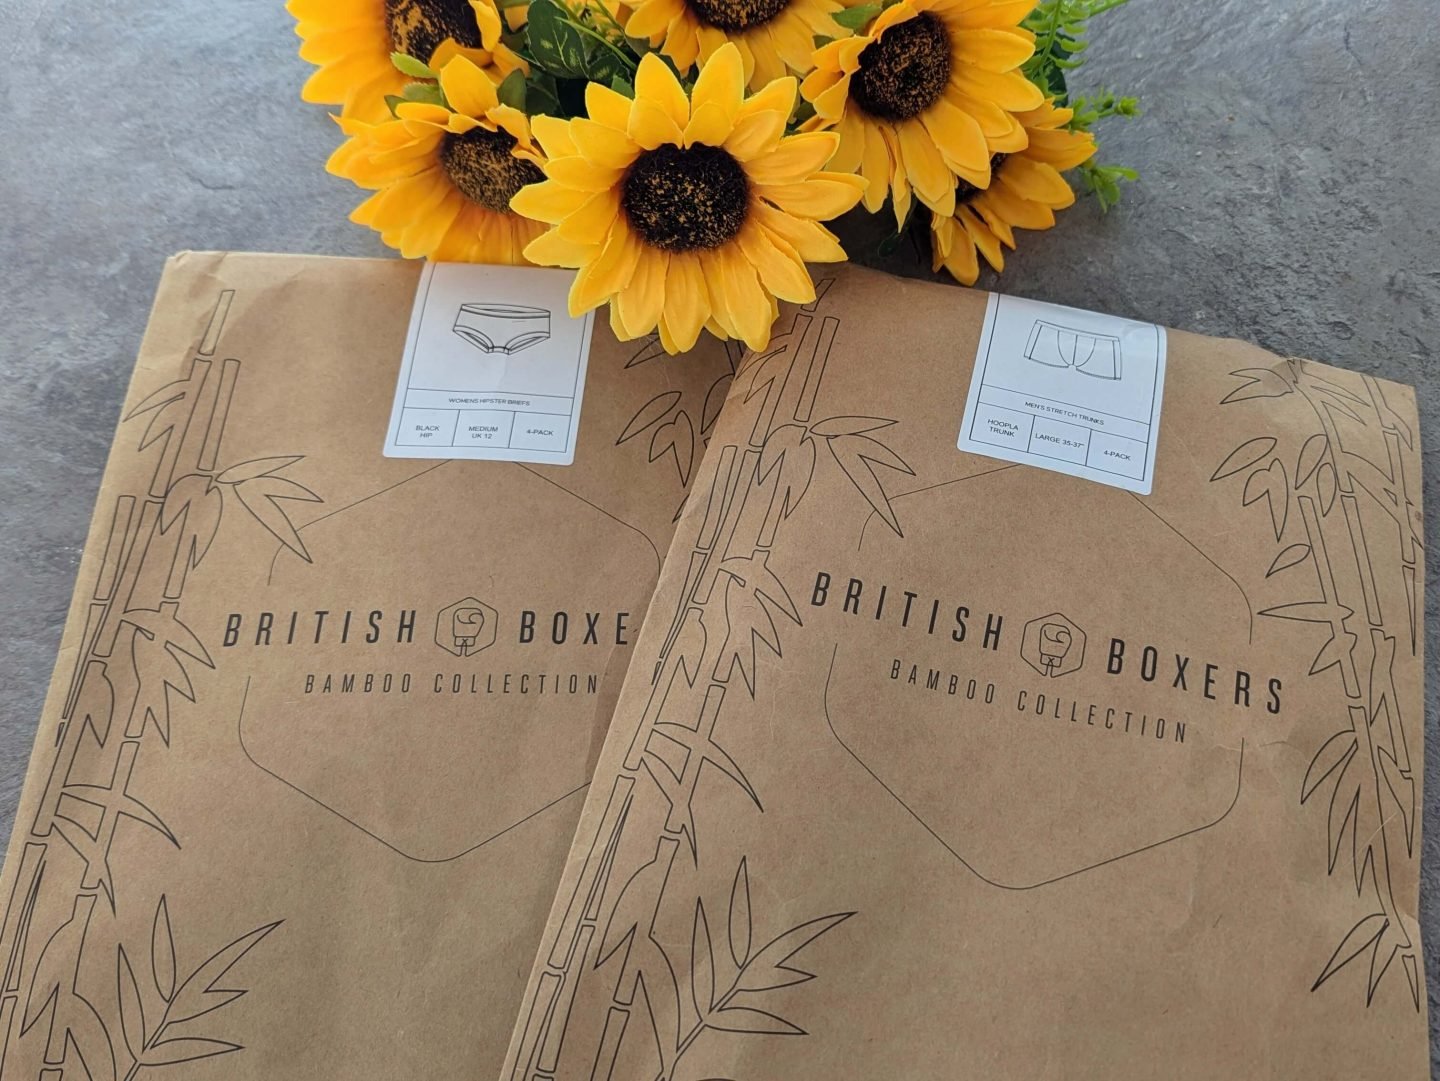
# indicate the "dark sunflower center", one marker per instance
pixel 905 72
pixel 685 199
pixel 966 191
pixel 417 27
pixel 735 15
pixel 481 166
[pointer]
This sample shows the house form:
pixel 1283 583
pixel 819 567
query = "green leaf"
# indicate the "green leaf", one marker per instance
pixel 428 93
pixel 542 96
pixel 555 43
pixel 511 90
pixel 392 100
pixel 408 65
pixel 603 65
pixel 622 86
pixel 821 40
pixel 856 17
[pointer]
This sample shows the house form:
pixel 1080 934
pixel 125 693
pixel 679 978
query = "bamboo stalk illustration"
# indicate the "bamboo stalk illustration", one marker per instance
pixel 1366 765
pixel 707 658
pixel 132 654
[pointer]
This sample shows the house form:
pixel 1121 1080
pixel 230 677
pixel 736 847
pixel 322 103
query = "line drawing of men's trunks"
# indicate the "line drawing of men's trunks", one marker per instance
pixel 1059 346
pixel 502 328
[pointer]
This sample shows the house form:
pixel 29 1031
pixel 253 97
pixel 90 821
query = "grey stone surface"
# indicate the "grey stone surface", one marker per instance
pixel 1289 196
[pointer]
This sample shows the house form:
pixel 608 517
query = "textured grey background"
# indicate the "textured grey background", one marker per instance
pixel 1290 195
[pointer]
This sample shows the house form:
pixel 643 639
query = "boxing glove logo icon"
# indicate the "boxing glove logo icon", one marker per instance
pixel 1053 645
pixel 466 627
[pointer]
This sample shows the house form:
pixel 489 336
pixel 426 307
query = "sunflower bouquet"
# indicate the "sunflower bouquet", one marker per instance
pixel 684 156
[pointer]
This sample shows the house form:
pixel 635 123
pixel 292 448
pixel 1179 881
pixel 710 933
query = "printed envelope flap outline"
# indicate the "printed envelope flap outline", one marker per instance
pixel 1061 763
pixel 478 720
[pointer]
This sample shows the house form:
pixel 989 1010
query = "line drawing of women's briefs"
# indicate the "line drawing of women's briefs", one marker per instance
pixel 502 328
pixel 1059 346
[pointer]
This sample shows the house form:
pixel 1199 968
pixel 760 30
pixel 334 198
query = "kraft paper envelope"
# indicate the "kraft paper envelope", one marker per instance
pixel 259 841
pixel 931 766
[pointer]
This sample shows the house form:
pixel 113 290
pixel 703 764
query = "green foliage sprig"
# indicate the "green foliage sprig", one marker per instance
pixel 1061 28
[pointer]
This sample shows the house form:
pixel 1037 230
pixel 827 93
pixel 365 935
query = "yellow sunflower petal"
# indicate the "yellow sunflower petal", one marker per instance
pixel 552 249
pixel 1037 181
pixel 687 301
pixel 960 258
pixel 608 273
pixel 957 134
pixel 591 222
pixel 875 168
pixel 823 196
pixel 811 241
pixel 924 165
pixel 548 201
pixel 576 172
pixel 781 270
pixel 554 135
pixel 721 82
pixel 641 302
pixel 992 50
pixel 603 145
pixel 651 126
pixel 650 17
pixel 606 106
pixel 984 239
pixel 794 159
pixel 1003 13
pixel 1009 90
pixel 656 84
pixel 468 89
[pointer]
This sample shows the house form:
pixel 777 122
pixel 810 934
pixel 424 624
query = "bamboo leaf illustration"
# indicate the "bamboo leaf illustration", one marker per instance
pixel 1244 456
pixel 739 922
pixel 649 414
pixel 1402 788
pixel 52 986
pixel 1334 754
pixel 1363 935
pixel 791 449
pixel 1380 958
pixel 1271 485
pixel 256 467
pixel 714 400
pixel 677 437
pixel 750 613
pixel 186 1049
pixel 132 1008
pixel 162 951
pixel 1412 975
pixel 161 626
pixel 1325 479
pixel 857 455
pixel 1344 809
pixel 1296 553
pixel 770 968
pixel 171 404
pixel 834 426
pixel 702 963
pixel 195 501
pixel 261 495
pixel 1258 383
pixel 758 1022
pixel 650 348
pixel 199 993
pixel 158 648
pixel 1311 455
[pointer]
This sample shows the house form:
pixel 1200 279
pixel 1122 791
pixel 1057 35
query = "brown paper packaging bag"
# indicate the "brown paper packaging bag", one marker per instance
pixel 261 842
pixel 852 821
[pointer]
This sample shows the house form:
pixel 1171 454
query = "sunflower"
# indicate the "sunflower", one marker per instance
pixel 774 37
pixel 443 175
pixel 687 213
pixel 350 42
pixel 1026 191
pixel 924 97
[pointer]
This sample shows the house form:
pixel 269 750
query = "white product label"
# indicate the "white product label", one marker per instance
pixel 494 367
pixel 1071 391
